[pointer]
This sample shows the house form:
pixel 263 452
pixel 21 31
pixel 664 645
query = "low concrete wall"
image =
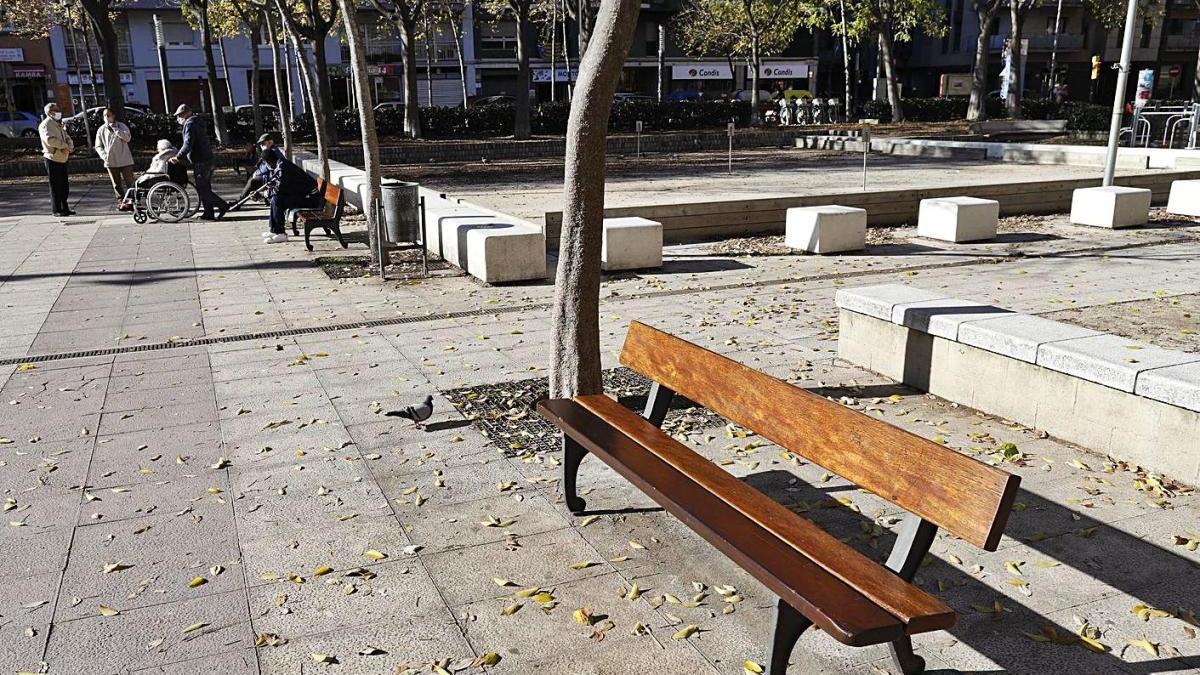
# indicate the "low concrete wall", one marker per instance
pixel 1054 396
pixel 742 217
pixel 491 246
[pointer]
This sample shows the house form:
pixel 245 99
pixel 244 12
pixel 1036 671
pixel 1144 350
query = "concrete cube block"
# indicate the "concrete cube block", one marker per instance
pixel 1185 198
pixel 631 244
pixel 1113 206
pixel 503 252
pixel 1108 359
pixel 878 301
pixel 958 219
pixel 826 229
pixel 1018 336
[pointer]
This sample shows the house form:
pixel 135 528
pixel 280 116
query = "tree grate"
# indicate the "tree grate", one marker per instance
pixel 504 412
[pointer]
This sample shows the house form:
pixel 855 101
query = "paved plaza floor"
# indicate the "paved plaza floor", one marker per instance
pixel 222 490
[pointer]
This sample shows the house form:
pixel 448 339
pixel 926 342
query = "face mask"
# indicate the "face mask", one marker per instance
pixel 56 115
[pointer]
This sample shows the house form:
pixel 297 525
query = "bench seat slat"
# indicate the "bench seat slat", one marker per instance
pixel 831 604
pixel 957 493
pixel 919 611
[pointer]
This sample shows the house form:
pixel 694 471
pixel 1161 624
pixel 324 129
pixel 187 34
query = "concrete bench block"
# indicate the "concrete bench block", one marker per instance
pixel 1176 385
pixel 826 229
pixel 942 317
pixel 1185 198
pixel 1113 206
pixel 631 244
pixel 506 252
pixel 958 219
pixel 878 301
pixel 1108 359
pixel 1018 336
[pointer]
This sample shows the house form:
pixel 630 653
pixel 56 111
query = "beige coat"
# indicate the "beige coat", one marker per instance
pixel 112 144
pixel 56 142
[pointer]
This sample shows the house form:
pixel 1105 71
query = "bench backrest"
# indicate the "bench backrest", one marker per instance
pixel 334 200
pixel 957 493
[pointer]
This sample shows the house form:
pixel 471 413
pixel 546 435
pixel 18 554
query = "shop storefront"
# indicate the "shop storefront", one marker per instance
pixel 24 85
pixel 701 80
pixel 788 76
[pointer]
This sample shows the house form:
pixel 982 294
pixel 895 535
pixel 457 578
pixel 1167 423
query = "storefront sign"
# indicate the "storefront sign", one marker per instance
pixel 12 54
pixel 1145 85
pixel 560 75
pixel 34 72
pixel 784 71
pixel 701 71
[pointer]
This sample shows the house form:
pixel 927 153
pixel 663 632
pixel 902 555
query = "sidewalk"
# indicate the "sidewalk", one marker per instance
pixel 174 507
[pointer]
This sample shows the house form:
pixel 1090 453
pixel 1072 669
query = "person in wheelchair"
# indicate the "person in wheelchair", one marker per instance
pixel 160 170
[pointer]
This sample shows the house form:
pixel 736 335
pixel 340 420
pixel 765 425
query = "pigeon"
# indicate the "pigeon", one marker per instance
pixel 417 413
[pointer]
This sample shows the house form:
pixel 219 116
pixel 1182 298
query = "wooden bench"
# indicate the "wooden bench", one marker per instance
pixel 819 580
pixel 328 218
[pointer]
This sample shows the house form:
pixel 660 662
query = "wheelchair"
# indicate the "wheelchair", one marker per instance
pixel 168 200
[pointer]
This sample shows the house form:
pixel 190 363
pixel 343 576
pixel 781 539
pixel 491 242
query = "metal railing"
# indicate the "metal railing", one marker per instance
pixel 1184 41
pixel 1042 42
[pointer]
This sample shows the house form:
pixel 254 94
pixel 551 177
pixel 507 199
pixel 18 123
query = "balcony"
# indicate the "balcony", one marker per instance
pixel 1189 42
pixel 1042 42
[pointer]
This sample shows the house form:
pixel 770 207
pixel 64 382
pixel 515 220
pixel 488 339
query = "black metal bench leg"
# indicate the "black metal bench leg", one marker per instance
pixel 573 453
pixel 307 233
pixel 337 230
pixel 902 653
pixel 789 625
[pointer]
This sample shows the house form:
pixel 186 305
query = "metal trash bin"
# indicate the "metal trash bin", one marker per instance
pixel 401 211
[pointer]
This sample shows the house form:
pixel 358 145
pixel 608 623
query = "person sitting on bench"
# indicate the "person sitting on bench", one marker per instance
pixel 159 171
pixel 262 171
pixel 293 189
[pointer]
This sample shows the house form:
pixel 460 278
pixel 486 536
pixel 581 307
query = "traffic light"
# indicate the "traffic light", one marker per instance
pixel 1095 67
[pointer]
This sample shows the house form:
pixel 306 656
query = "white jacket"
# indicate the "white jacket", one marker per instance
pixel 112 144
pixel 159 163
pixel 56 142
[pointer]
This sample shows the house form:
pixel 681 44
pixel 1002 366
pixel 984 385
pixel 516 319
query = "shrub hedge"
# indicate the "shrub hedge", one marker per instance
pixel 551 118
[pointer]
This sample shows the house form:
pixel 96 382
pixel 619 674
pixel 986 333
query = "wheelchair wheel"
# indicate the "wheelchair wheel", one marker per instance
pixel 139 217
pixel 168 203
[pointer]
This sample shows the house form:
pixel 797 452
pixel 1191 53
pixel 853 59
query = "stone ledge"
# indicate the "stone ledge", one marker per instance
pixel 1177 385
pixel 878 301
pixel 1018 336
pixel 942 317
pixel 1109 360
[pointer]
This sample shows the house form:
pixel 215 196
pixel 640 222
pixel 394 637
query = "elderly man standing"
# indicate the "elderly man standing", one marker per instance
pixel 112 144
pixel 56 150
pixel 197 150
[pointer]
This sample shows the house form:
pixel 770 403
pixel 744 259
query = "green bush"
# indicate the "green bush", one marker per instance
pixel 950 109
pixel 1086 116
pixel 145 129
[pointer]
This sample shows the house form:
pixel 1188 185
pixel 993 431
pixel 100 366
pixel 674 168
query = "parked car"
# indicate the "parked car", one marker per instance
pixel 493 100
pixel 630 96
pixel 390 105
pixel 745 95
pixel 18 124
pixel 687 95
pixel 95 111
pixel 248 107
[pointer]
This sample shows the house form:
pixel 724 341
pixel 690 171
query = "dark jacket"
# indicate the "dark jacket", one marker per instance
pixel 293 181
pixel 196 147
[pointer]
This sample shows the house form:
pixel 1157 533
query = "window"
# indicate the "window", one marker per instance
pixel 1147 30
pixel 178 34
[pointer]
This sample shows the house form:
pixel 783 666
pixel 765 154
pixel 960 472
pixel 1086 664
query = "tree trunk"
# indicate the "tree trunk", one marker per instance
pixel 846 76
pixel 210 65
pixel 87 49
pixel 1196 79
pixel 889 71
pixel 110 62
pixel 366 120
pixel 316 106
pixel 755 69
pixel 521 97
pixel 428 57
pixel 584 25
pixel 1016 15
pixel 575 359
pixel 323 91
pixel 977 106
pixel 412 108
pixel 456 31
pixel 225 71
pixel 282 101
pixel 287 72
pixel 255 31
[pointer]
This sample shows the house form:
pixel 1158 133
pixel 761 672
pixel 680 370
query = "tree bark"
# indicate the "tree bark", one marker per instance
pixel 456 31
pixel 110 62
pixel 282 100
pixel 846 61
pixel 428 56
pixel 521 98
pixel 889 71
pixel 412 106
pixel 1016 14
pixel 225 71
pixel 366 121
pixel 255 34
pixel 87 50
pixel 584 25
pixel 977 106
pixel 755 68
pixel 575 360
pixel 210 65
pixel 315 104
pixel 323 91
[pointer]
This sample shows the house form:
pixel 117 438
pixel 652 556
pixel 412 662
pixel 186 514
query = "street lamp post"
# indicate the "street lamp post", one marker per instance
pixel 1054 48
pixel 161 40
pixel 1118 110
